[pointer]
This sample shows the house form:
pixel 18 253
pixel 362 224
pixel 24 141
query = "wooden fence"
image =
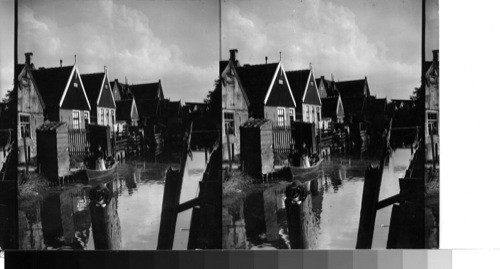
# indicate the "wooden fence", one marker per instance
pixel 77 142
pixel 282 139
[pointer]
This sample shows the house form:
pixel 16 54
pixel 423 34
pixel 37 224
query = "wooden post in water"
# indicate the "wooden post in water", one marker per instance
pixel 171 197
pixel 371 191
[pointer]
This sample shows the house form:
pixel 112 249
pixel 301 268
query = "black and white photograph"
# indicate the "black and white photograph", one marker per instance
pixel 325 142
pixel 118 125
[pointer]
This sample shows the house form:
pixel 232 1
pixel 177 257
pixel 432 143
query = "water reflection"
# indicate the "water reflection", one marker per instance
pixel 67 218
pixel 327 219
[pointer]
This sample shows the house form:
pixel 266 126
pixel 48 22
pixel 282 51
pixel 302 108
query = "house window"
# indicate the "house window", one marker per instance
pixel 229 122
pixel 112 116
pixel 318 115
pixel 24 122
pixel 102 115
pixel 281 81
pixel 292 115
pixel 75 84
pixel 312 83
pixel 281 117
pixel 107 117
pixel 86 116
pixel 307 113
pixel 76 119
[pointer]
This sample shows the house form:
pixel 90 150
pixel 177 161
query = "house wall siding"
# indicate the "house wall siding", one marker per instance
pixel 29 104
pixel 271 113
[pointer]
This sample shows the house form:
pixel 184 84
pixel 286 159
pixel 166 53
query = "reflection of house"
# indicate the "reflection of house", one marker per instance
pixel 235 105
pixel 170 115
pixel 126 114
pixel 64 95
pixel 30 107
pixel 306 95
pixel 269 92
pixel 103 107
pixel 432 107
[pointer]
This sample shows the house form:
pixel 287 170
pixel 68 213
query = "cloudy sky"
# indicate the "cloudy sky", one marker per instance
pixel 144 40
pixel 6 46
pixel 380 39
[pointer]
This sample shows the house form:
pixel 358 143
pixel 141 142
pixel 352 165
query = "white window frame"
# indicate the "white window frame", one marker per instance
pixel 282 123
pixel 78 125
pixel 292 113
pixel 28 124
pixel 86 116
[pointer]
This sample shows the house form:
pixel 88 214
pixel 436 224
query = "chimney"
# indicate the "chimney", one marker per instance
pixel 435 55
pixel 28 56
pixel 60 62
pixel 75 59
pixel 266 59
pixel 232 55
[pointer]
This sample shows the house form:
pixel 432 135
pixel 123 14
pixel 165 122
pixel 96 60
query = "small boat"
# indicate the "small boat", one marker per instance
pixel 98 175
pixel 304 171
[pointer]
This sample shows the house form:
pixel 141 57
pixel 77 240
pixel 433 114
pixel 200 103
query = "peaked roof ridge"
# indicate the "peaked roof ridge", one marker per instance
pixel 298 70
pixel 257 65
pixel 42 68
pixel 90 74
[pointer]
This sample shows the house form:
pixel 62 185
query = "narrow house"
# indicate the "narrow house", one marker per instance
pixel 120 90
pixel 306 95
pixel 102 103
pixel 269 92
pixel 30 107
pixel 356 98
pixel 64 95
pixel 235 105
pixel 126 115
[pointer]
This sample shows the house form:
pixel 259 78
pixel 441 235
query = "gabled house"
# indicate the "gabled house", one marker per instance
pixel 102 102
pixel 64 96
pixel 120 90
pixel 306 95
pixel 30 109
pixel 353 88
pixel 326 87
pixel 333 109
pixel 127 115
pixel 269 92
pixel 235 104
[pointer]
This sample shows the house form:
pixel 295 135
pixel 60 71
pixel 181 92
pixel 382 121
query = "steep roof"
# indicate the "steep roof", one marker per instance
pixel 147 91
pixel 92 83
pixel 256 80
pixel 51 83
pixel 169 108
pixel 298 82
pixel 354 105
pixel 352 88
pixel 378 105
pixel 148 108
pixel 124 109
pixel 329 106
pixel 222 66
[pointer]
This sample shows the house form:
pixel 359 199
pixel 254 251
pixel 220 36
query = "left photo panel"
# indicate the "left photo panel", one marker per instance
pixel 8 121
pixel 118 125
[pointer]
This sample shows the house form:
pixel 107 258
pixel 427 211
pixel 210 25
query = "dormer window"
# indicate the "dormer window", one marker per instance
pixel 75 84
pixel 312 83
pixel 280 82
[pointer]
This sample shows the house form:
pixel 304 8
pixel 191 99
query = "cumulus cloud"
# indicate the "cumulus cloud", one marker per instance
pixel 120 37
pixel 317 32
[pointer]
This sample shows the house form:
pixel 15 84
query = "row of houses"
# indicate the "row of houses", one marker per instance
pixel 268 91
pixel 63 94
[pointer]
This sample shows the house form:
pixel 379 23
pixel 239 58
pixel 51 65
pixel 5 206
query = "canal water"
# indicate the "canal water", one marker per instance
pixel 330 212
pixel 66 218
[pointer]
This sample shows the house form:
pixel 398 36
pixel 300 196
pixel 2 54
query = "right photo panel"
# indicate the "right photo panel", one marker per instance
pixel 331 124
